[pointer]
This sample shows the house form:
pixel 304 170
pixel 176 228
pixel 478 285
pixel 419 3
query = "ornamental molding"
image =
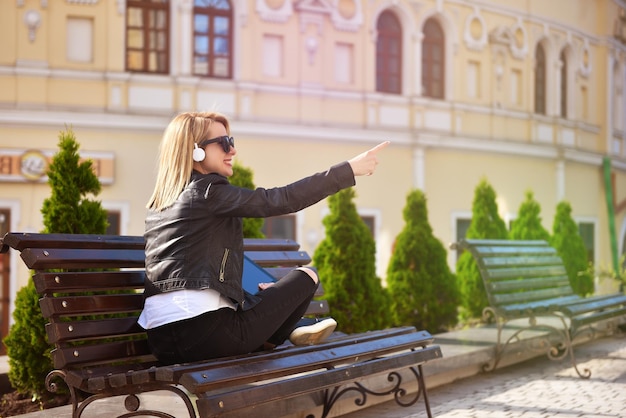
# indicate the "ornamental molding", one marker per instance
pixel 514 38
pixel 475 43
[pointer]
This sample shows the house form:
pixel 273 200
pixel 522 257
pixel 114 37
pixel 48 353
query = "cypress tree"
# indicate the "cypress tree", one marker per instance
pixel 345 260
pixel 67 210
pixel 486 224
pixel 570 246
pixel 242 177
pixel 528 226
pixel 422 288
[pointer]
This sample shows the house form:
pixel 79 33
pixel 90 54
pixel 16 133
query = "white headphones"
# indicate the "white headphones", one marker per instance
pixel 198 153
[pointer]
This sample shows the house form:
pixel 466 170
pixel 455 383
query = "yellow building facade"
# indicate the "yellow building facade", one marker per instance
pixel 527 94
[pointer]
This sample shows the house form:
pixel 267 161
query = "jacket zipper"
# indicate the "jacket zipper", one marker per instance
pixel 223 266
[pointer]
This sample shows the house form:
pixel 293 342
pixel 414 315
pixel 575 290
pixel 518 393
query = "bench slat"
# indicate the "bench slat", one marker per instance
pixel 174 372
pixel 270 244
pixel 536 260
pixel 524 271
pixel 74 258
pixel 587 319
pixel 234 401
pixel 253 371
pixel 127 351
pixel 530 296
pixel 526 304
pixel 90 305
pixel 21 241
pixel 64 282
pixel 514 250
pixel 507 286
pixel 586 305
pixel 59 332
pixel 279 258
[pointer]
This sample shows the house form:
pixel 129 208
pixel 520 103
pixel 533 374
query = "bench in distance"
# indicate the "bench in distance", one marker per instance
pixel 527 279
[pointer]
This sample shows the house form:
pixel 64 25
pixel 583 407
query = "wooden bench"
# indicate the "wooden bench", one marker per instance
pixel 527 279
pixel 100 351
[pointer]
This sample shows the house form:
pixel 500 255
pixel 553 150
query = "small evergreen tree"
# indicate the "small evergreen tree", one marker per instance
pixel 570 246
pixel 242 177
pixel 485 224
pixel 422 288
pixel 528 226
pixel 67 210
pixel 345 260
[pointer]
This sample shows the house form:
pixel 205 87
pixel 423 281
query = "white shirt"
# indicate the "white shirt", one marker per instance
pixel 168 307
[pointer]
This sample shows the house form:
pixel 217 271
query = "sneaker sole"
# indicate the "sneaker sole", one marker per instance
pixel 313 334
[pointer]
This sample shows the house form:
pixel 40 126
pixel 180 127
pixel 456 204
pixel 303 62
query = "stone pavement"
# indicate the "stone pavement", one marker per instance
pixel 536 388
pixel 527 384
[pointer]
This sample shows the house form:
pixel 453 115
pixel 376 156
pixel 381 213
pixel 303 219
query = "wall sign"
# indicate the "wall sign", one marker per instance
pixel 31 166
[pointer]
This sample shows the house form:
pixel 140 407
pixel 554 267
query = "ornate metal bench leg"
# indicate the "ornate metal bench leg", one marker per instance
pixel 131 402
pixel 332 395
pixel 489 313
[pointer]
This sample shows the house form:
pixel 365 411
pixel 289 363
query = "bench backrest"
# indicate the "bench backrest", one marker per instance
pixel 519 272
pixel 91 291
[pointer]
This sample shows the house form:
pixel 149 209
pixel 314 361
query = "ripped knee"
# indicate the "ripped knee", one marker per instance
pixel 312 274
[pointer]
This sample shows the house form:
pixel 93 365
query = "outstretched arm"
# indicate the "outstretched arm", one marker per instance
pixel 365 164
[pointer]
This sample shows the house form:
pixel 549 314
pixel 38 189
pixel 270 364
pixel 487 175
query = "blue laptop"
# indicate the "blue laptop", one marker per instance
pixel 253 275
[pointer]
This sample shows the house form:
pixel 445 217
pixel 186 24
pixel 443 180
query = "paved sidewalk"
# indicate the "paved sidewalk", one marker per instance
pixel 536 388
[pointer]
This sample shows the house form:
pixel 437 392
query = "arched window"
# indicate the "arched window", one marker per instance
pixel 389 54
pixel 213 38
pixel 618 98
pixel 147 36
pixel 433 60
pixel 563 59
pixel 540 80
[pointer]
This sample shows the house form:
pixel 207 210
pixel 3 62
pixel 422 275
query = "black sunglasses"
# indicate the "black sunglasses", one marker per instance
pixel 225 141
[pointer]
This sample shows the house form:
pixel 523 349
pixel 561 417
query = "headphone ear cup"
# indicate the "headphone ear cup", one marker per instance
pixel 198 153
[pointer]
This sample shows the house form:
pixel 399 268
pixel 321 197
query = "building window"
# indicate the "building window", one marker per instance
pixel 462 225
pixel 516 87
pixel 389 54
pixel 272 65
pixel 79 39
pixel 587 232
pixel 584 103
pixel 540 80
pixel 344 63
pixel 280 227
pixel 618 97
pixel 433 60
pixel 213 38
pixel 370 222
pixel 473 79
pixel 147 36
pixel 114 220
pixel 563 59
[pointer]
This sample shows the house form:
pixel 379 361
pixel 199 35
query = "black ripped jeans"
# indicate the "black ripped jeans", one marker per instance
pixel 226 332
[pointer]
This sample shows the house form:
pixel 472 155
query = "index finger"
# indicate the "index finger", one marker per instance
pixel 380 146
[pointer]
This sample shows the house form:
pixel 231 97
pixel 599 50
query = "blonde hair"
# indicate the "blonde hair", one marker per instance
pixel 175 154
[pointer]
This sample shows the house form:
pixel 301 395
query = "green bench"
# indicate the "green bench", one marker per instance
pixel 91 294
pixel 527 279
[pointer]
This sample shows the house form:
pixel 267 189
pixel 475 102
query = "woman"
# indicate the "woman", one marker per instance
pixel 195 306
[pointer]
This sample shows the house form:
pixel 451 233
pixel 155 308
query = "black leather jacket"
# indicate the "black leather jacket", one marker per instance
pixel 197 243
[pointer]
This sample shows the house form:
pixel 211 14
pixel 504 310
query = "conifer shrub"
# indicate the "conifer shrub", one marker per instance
pixel 571 247
pixel 486 223
pixel 243 177
pixel 67 210
pixel 345 260
pixel 421 287
pixel 527 225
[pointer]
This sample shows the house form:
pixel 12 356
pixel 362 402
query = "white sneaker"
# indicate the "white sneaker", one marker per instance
pixel 313 334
